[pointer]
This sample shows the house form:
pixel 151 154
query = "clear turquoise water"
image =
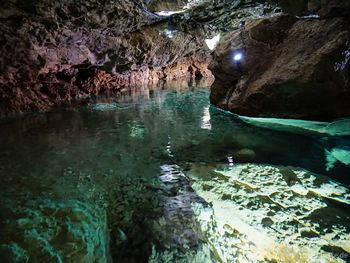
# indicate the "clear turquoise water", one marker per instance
pixel 133 136
pixel 80 153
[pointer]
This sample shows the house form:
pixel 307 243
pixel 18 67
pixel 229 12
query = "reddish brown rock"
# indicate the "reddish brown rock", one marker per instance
pixel 71 87
pixel 55 53
pixel 290 68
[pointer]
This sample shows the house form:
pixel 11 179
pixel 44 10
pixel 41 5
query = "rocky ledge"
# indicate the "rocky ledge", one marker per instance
pixel 285 66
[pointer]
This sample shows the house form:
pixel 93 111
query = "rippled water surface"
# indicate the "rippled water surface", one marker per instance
pixel 80 155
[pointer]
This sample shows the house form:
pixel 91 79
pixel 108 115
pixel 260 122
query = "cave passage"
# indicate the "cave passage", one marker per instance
pixel 175 131
pixel 163 176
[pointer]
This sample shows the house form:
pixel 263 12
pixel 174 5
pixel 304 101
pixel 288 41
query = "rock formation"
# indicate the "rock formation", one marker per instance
pixel 51 231
pixel 57 52
pixel 290 67
pixel 326 8
pixel 266 213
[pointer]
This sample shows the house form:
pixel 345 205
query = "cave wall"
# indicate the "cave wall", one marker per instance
pixel 323 8
pixel 56 53
pixel 291 67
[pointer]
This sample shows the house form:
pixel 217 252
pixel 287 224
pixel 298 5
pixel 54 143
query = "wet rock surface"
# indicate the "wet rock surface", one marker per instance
pixel 327 8
pixel 295 68
pixel 60 53
pixel 222 16
pixel 182 229
pixel 134 165
pixel 162 223
pixel 167 5
pixel 138 221
pixel 55 53
pixel 178 234
pixel 50 231
pixel 263 217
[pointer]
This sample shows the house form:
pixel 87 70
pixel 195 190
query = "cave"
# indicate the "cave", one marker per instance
pixel 175 131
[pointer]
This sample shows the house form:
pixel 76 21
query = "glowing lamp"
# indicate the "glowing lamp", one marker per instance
pixel 238 57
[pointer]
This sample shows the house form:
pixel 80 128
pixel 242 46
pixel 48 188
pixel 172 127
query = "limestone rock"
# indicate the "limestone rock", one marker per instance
pixel 55 53
pixel 167 5
pixel 295 68
pixel 326 8
pixel 245 155
pixel 178 215
pixel 265 219
pixel 59 53
pixel 50 231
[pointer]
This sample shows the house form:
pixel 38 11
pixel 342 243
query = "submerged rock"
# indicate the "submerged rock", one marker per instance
pixel 266 218
pixel 244 155
pixel 339 127
pixel 178 230
pixel 49 231
pixel 288 69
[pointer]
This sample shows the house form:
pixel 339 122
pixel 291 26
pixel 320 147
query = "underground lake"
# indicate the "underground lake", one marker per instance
pixel 175 131
pixel 163 176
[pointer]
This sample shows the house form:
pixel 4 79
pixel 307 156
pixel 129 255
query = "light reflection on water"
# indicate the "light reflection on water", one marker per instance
pixel 56 155
pixel 136 134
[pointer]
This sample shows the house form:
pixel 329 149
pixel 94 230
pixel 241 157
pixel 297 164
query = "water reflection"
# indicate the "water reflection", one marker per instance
pixel 84 154
pixel 206 119
pixel 135 134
